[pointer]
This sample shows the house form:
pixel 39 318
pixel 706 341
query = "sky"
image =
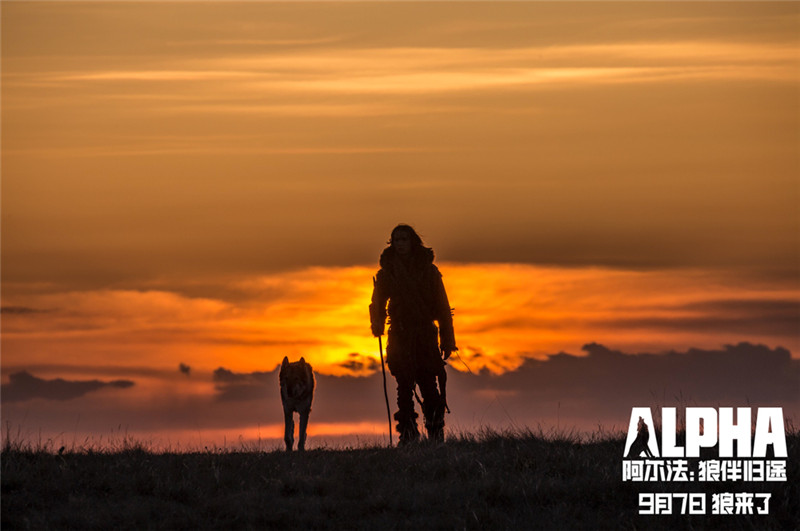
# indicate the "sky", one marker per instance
pixel 192 191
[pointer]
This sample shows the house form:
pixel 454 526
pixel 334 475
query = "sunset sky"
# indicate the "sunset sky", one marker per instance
pixel 611 190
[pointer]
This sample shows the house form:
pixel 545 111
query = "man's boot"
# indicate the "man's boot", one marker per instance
pixel 407 427
pixel 434 423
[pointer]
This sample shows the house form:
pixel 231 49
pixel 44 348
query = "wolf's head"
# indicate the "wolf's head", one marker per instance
pixel 297 378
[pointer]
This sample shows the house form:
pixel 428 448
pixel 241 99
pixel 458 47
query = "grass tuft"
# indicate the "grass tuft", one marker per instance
pixel 520 478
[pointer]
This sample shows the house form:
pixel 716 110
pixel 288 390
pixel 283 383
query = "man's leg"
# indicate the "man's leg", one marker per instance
pixel 432 407
pixel 406 417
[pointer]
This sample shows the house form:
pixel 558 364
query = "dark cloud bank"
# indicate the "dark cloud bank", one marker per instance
pixel 564 390
pixel 25 386
pixel 599 388
pixel 605 384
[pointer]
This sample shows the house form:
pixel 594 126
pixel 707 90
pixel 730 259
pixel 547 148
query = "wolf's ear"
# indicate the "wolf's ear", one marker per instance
pixel 303 361
pixel 285 361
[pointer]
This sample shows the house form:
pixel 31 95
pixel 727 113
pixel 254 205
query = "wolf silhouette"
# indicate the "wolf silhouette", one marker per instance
pixel 297 394
pixel 640 444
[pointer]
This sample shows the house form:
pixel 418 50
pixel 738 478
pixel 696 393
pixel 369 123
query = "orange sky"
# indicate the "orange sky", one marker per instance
pixel 504 313
pixel 212 183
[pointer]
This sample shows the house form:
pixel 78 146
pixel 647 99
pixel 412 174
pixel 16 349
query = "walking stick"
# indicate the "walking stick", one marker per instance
pixel 385 394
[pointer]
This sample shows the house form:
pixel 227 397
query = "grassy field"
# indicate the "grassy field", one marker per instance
pixel 484 481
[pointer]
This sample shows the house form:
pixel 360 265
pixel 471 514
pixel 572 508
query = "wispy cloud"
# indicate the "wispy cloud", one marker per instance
pixel 20 310
pixel 446 69
pixel 25 386
pixel 152 75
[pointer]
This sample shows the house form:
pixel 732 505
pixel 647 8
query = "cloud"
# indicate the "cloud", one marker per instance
pixel 232 386
pixel 20 310
pixel 506 312
pixel 343 399
pixel 643 168
pixel 356 363
pixel 224 376
pixel 777 317
pixel 597 388
pixel 602 386
pixel 25 386
pixel 447 68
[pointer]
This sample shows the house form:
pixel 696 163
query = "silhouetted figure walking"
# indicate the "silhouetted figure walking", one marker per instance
pixel 413 287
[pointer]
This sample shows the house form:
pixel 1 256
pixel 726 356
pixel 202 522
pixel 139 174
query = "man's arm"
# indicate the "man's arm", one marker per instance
pixel 377 308
pixel 444 315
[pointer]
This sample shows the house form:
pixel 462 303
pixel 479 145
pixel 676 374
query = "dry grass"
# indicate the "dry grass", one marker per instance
pixel 488 480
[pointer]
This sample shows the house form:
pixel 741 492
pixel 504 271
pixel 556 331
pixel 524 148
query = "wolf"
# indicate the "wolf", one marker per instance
pixel 640 444
pixel 297 393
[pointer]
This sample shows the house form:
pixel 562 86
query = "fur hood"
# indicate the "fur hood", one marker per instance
pixel 422 256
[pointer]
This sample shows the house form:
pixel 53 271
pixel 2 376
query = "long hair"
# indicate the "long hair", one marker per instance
pixel 419 253
pixel 408 229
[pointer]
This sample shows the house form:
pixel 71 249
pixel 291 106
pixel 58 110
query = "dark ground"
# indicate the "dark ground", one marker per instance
pixel 488 481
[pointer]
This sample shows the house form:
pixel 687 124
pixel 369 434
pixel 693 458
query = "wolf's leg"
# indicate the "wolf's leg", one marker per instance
pixel 301 440
pixel 288 436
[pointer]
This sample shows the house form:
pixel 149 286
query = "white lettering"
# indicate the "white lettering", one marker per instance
pixel 669 421
pixel 728 432
pixel 694 438
pixel 776 437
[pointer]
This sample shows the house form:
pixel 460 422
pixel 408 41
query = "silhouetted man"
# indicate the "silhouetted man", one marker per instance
pixel 413 287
